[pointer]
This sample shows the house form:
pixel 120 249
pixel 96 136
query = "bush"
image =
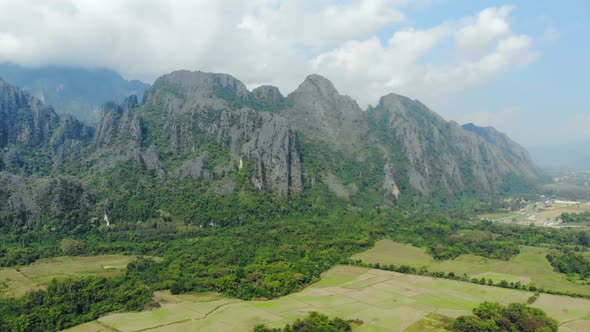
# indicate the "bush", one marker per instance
pixel 313 322
pixel 72 247
pixel 495 317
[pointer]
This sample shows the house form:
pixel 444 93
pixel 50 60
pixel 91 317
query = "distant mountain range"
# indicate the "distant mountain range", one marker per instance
pixel 76 91
pixel 210 131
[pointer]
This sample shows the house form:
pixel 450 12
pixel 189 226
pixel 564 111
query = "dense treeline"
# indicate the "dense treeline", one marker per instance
pixel 261 260
pixel 575 217
pixel 569 262
pixel 69 302
pixel 447 238
pixel 493 317
pixel 264 258
pixel 312 323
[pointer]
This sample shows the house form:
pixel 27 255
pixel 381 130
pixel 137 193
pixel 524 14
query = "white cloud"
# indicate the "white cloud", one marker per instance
pixel 268 41
pixel 483 30
pixel 324 23
pixel 369 69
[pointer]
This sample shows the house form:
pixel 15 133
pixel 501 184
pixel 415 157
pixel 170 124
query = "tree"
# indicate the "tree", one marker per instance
pixel 312 323
pixel 72 247
pixel 492 317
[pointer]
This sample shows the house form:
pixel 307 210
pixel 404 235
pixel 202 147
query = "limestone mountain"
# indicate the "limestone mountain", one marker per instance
pixel 195 125
pixel 198 136
pixel 35 142
pixel 321 113
pixel 75 91
pixel 512 150
pixel 33 138
pixel 444 157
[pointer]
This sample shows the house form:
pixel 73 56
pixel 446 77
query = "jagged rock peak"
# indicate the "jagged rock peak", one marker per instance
pixel 110 106
pixel 501 140
pixel 268 94
pixel 198 83
pixel 318 89
pixel 318 85
pixel 490 134
pixel 320 112
pixel 130 102
pixel 402 105
pixel 17 97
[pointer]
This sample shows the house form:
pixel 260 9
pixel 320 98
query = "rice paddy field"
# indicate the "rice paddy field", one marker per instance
pixel 382 300
pixel 16 282
pixel 530 266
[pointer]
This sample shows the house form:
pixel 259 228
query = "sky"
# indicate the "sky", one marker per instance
pixel 520 66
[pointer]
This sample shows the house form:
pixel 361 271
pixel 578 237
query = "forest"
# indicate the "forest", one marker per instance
pixel 259 259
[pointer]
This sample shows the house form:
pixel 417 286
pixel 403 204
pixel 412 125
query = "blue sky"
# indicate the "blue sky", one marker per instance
pixel 553 87
pixel 548 98
pixel 520 66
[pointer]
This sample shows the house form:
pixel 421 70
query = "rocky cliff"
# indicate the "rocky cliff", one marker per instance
pixel 209 130
pixel 444 157
pixel 319 112
pixel 204 121
pixel 33 138
pixel 75 91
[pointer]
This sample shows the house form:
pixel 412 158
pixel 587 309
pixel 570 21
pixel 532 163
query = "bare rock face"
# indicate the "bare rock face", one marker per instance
pixel 389 185
pixel 120 137
pixel 512 151
pixel 192 110
pixel 50 140
pixel 24 119
pixel 182 91
pixel 274 152
pixel 320 112
pixel 442 156
pixel 119 124
pixel 210 127
pixel 192 168
pixel 151 161
pixel 268 94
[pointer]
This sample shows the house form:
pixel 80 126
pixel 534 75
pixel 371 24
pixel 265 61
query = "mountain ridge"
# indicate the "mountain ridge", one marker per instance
pixel 210 130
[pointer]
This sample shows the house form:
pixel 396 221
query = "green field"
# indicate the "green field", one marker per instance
pixel 530 266
pixel 16 282
pixel 382 300
pixel 508 216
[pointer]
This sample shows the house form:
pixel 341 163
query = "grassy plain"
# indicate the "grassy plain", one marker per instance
pixel 530 266
pixel 382 300
pixel 508 216
pixel 16 282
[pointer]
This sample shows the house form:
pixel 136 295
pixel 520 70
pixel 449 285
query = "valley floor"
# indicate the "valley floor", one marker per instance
pixel 382 300
pixel 528 267
pixel 541 214
pixel 17 282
